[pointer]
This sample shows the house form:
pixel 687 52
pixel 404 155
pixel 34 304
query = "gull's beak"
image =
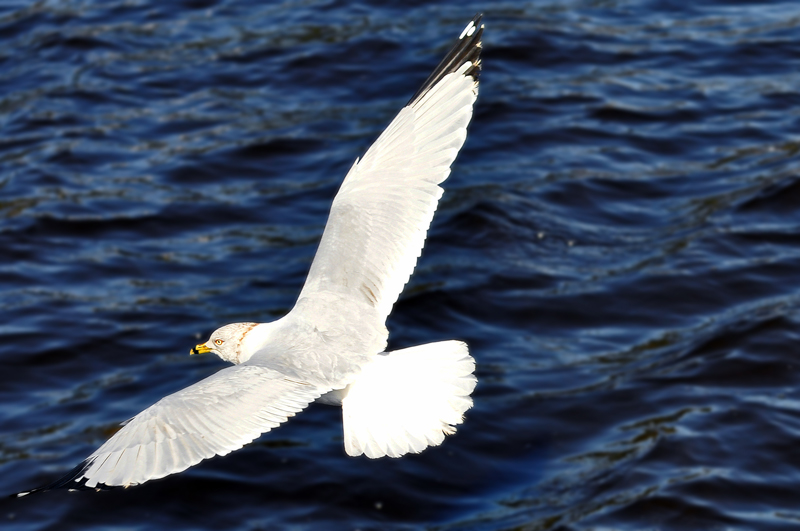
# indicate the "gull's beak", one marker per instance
pixel 202 348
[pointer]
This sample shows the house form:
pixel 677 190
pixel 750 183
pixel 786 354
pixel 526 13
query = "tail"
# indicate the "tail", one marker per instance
pixel 407 400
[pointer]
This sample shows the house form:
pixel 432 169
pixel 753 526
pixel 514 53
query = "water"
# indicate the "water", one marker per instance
pixel 618 243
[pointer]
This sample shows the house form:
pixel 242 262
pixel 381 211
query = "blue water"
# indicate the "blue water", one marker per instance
pixel 618 243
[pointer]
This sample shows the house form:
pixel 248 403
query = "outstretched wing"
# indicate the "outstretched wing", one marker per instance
pixel 215 416
pixel 381 214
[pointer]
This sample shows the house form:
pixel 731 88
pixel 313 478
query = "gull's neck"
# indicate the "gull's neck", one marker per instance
pixel 253 339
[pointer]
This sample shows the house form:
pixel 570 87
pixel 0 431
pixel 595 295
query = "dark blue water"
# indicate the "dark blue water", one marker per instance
pixel 618 242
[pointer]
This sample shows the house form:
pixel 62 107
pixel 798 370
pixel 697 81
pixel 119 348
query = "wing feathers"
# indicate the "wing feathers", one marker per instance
pixel 381 215
pixel 466 49
pixel 212 417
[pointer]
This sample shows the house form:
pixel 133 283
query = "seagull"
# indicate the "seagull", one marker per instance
pixel 330 347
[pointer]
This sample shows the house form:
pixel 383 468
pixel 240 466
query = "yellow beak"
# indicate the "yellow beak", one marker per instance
pixel 202 348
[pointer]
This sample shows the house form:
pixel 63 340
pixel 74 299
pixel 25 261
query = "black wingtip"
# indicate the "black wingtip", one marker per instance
pixel 74 480
pixel 467 48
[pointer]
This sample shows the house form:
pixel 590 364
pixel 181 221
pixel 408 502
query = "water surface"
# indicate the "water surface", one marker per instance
pixel 618 243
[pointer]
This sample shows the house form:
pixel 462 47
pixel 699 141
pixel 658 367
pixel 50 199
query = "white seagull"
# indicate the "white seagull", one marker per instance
pixel 330 346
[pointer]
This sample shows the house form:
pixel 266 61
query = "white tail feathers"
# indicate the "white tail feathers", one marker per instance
pixel 407 400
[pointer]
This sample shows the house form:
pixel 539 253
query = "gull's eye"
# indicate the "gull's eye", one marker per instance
pixel 218 342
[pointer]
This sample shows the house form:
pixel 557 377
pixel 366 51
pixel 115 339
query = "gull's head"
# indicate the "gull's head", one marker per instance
pixel 226 342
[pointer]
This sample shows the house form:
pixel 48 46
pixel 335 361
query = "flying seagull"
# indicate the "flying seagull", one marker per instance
pixel 330 346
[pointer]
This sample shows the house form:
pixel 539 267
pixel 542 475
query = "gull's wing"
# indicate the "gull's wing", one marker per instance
pixel 215 416
pixel 381 214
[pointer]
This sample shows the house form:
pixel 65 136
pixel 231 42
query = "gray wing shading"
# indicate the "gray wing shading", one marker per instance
pixel 380 216
pixel 215 416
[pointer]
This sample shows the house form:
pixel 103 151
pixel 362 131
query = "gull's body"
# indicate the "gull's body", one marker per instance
pixel 330 346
